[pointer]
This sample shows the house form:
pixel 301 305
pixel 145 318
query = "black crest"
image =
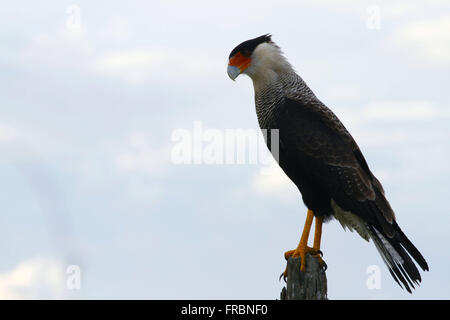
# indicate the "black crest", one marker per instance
pixel 247 47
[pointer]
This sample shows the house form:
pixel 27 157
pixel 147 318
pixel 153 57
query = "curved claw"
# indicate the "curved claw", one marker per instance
pixel 283 274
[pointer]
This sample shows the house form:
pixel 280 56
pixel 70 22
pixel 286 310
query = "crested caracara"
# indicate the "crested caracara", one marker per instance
pixel 323 160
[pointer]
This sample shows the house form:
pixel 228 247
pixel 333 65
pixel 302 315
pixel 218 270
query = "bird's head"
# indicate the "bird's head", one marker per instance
pixel 254 57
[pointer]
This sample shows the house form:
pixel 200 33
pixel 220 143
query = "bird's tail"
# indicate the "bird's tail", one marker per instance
pixel 396 252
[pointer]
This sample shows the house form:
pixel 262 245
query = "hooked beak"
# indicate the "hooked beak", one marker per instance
pixel 237 64
pixel 233 72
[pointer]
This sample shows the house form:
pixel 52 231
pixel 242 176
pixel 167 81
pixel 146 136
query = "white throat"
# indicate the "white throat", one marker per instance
pixel 268 63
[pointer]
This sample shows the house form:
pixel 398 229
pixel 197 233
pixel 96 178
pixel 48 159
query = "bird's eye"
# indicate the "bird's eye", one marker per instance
pixel 245 52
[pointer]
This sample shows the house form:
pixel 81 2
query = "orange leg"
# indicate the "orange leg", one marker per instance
pixel 302 248
pixel 318 233
pixel 317 239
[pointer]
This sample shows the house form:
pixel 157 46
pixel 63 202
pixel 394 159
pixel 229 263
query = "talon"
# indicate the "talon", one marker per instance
pixel 283 275
pixel 288 254
pixel 314 252
pixel 301 252
pixel 322 263
pixel 302 248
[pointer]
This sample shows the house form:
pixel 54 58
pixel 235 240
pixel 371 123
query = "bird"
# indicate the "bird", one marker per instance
pixel 319 155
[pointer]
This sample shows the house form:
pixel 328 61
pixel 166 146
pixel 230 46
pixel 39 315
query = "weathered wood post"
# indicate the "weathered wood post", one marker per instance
pixel 308 285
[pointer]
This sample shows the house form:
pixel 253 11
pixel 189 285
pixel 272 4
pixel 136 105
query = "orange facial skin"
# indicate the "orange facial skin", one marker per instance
pixel 240 61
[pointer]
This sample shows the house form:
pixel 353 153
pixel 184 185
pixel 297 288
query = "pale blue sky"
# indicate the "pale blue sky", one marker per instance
pixel 88 107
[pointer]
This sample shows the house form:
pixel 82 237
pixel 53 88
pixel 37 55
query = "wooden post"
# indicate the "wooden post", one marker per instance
pixel 308 285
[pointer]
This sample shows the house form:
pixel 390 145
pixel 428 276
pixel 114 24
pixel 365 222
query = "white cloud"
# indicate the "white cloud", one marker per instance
pixel 385 123
pixel 140 156
pixel 427 39
pixel 63 47
pixel 396 111
pixel 344 92
pixel 130 60
pixel 138 64
pixel 118 29
pixel 33 279
pixel 68 47
pixel 393 111
pixel 388 6
pixel 273 180
pixel 8 133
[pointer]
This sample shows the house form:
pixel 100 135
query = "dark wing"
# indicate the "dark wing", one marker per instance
pixel 313 135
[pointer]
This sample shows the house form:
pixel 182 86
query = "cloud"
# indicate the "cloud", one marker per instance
pixel 64 47
pixel 138 155
pixel 393 112
pixel 396 123
pixel 427 39
pixel 273 180
pixel 133 64
pixel 8 133
pixel 139 64
pixel 399 111
pixel 38 278
pixel 117 30
pixel 344 92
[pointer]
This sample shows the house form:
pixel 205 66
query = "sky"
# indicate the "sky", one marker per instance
pixel 112 114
